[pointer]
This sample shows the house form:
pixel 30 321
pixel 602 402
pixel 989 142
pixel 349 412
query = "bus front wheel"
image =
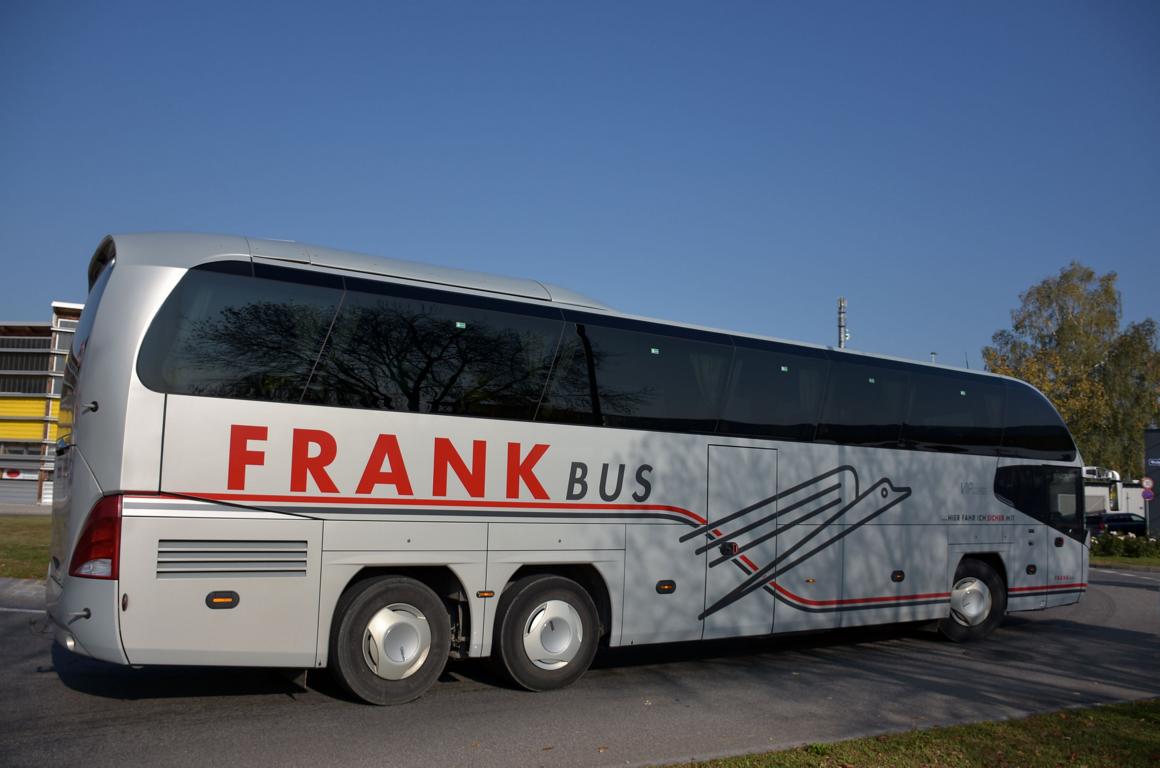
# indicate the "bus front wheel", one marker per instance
pixel 391 640
pixel 548 631
pixel 978 602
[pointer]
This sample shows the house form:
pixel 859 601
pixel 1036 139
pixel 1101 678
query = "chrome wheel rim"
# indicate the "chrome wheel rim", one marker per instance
pixel 396 641
pixel 553 634
pixel 970 602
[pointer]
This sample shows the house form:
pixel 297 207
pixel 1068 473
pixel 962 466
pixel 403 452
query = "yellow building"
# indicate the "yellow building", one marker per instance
pixel 32 361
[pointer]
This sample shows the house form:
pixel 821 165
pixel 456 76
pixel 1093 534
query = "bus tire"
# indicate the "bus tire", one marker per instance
pixel 390 640
pixel 978 602
pixel 548 632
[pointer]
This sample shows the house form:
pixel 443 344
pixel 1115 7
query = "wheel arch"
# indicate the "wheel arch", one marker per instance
pixel 440 578
pixel 584 574
pixel 991 558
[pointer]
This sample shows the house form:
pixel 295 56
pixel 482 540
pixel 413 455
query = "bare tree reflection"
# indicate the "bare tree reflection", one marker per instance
pixel 390 353
pixel 263 350
pixel 417 357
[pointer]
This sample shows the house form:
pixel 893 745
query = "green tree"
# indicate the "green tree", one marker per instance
pixel 1066 339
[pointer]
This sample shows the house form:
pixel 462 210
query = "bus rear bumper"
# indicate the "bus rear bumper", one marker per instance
pixel 84 617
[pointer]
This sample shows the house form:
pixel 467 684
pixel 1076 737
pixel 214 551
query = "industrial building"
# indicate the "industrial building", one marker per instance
pixel 32 363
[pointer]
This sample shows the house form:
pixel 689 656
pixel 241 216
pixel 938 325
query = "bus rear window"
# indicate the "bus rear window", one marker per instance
pixel 222 334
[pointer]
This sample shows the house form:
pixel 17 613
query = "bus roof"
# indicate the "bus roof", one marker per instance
pixel 174 249
pixel 183 249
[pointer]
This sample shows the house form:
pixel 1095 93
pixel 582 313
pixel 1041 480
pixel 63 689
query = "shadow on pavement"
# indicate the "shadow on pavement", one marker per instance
pixel 906 655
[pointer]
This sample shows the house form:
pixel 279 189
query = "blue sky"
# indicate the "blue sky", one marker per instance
pixel 739 165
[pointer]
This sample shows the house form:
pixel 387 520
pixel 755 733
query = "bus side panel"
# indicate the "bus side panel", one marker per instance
pixel 656 554
pixel 809 595
pixel 1026 563
pixel 264 574
pixel 896 533
pixel 1068 569
pixel 352 545
pixel 895 573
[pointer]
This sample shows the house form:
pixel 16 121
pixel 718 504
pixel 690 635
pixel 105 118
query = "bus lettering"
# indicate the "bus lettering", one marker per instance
pixel 240 454
pixel 604 492
pixel 386 449
pixel 577 481
pixel 644 483
pixel 522 471
pixel 303 463
pixel 472 478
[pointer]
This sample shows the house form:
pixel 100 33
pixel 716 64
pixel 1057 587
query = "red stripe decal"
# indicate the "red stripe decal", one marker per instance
pixel 852 601
pixel 860 600
pixel 464 503
pixel 1077 585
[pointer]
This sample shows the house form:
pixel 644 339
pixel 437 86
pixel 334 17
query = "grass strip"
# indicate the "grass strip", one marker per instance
pixel 24 546
pixel 1109 560
pixel 1114 736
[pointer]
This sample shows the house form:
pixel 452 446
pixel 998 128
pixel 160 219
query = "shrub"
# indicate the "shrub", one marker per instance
pixel 1111 545
pixel 1133 546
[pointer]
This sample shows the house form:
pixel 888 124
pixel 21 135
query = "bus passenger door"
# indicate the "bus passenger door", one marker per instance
pixel 740 541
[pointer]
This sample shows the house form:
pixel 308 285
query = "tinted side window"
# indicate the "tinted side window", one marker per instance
pixel 408 349
pixel 1032 427
pixel 1049 494
pixel 774 391
pixel 223 334
pixel 865 404
pixel 954 412
pixel 639 379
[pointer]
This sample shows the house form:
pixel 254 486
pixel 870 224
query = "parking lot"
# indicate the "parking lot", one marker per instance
pixel 642 706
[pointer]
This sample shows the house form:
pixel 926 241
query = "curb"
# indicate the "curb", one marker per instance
pixel 40 510
pixel 22 593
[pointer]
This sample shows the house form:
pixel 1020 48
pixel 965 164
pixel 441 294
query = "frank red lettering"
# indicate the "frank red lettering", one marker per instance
pixel 473 479
pixel 302 463
pixel 518 471
pixel 386 448
pixel 240 454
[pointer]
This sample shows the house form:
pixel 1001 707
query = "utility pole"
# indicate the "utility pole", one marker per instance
pixel 843 334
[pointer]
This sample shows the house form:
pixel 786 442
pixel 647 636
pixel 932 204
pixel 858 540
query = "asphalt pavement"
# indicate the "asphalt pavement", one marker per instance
pixel 640 706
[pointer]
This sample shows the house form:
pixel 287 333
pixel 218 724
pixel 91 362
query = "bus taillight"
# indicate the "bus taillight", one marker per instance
pixel 99 547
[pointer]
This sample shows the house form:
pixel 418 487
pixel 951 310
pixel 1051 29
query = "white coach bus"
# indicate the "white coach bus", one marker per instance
pixel 281 455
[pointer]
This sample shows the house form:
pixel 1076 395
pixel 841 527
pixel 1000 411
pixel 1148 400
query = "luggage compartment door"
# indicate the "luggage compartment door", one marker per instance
pixel 230 591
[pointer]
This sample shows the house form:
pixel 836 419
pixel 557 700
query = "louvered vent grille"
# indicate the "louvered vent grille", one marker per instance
pixel 185 559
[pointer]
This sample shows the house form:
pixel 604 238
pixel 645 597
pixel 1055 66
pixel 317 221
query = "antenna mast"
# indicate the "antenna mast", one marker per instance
pixel 843 334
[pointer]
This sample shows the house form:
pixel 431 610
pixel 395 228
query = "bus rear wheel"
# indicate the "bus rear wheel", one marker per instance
pixel 978 602
pixel 390 641
pixel 548 632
